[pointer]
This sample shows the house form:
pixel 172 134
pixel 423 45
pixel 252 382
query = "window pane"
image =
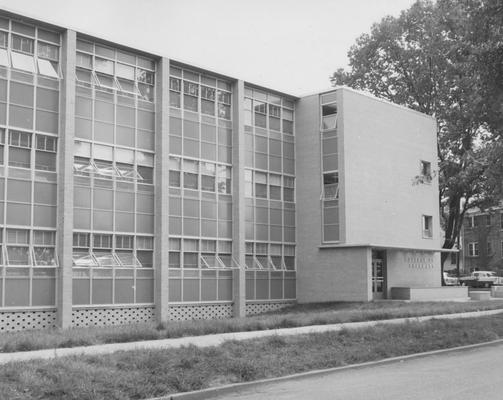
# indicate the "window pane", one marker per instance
pixel 190 181
pixel 21 94
pixel 19 157
pixel 21 117
pixel 105 66
pixel 175 100
pixel 84 60
pixel 18 255
pixel 49 100
pixel 146 91
pixel 45 256
pixel 45 161
pixel 261 190
pixel 48 51
pixel 23 62
pixel 208 107
pixel 4 39
pixel 174 178
pixel 208 183
pixel 145 258
pixel 48 68
pixel 146 174
pixel 190 103
pixel 23 44
pixel 48 36
pixel 4 58
pixel 125 71
pixel 83 259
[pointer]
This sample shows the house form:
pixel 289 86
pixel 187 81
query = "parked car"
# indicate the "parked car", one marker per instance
pixel 481 279
pixel 450 280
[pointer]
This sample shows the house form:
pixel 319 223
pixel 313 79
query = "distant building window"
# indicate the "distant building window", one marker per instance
pixel 470 222
pixel 501 221
pixel 489 248
pixel 453 258
pixel 427 226
pixel 473 249
pixel 488 220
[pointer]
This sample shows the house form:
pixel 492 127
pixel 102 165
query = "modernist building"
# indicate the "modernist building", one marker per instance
pixel 483 240
pixel 136 188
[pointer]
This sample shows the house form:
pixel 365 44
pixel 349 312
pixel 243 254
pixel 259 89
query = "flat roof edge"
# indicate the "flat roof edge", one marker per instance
pixel 85 35
pixel 371 96
pixel 380 246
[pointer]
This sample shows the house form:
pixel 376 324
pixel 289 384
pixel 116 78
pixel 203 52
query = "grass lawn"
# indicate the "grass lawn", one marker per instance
pixel 298 315
pixel 146 374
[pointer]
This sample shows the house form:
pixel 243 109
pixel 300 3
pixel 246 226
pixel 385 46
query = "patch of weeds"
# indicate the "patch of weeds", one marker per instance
pixel 186 382
pixel 130 336
pixel 25 344
pixel 161 326
pixel 244 370
pixel 287 323
pixel 188 363
pixel 75 342
pixel 276 341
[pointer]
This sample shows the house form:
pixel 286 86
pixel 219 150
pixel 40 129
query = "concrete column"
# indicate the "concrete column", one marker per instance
pixel 161 191
pixel 65 180
pixel 238 199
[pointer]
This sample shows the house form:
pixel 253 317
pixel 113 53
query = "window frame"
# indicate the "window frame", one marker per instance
pixel 473 249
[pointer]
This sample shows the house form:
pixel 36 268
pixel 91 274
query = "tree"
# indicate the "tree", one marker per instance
pixel 444 59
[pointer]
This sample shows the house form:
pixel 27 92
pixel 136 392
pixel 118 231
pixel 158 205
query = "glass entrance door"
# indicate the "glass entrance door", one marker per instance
pixel 378 274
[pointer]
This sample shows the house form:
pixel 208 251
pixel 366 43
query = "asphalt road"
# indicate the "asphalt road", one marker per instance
pixel 468 374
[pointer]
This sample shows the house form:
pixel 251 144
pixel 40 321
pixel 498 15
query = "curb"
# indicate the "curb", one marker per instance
pixel 237 387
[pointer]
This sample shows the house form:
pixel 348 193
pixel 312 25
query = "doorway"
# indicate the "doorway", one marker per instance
pixel 378 274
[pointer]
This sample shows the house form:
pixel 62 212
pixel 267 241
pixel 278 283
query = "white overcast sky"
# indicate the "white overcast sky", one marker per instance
pixel 288 45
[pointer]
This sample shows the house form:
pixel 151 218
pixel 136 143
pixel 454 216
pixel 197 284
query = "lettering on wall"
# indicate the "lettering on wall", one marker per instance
pixel 419 259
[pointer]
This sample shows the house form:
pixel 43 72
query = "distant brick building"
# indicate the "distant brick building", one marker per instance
pixel 483 240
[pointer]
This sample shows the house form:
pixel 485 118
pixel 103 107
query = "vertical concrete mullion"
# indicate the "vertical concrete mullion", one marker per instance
pixel 161 251
pixel 238 199
pixel 65 180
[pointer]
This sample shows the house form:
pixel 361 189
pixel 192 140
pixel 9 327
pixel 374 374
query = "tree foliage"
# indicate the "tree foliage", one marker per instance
pixel 444 59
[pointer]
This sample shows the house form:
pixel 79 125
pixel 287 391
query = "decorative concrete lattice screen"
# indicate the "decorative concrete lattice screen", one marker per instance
pixel 21 320
pixel 196 311
pixel 111 316
pixel 259 308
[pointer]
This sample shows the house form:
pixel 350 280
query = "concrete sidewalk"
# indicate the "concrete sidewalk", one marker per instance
pixel 217 339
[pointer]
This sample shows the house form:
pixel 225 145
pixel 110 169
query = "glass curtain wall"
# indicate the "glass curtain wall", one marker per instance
pixel 113 176
pixel 30 77
pixel 330 168
pixel 269 195
pixel 200 194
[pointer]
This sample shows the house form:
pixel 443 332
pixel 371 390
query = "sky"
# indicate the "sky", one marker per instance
pixel 292 46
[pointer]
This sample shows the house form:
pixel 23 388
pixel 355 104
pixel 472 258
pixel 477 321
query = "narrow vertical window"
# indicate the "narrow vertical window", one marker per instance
pixel 425 171
pixel 427 226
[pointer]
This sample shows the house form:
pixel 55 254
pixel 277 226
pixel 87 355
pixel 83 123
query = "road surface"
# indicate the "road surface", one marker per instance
pixel 468 374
